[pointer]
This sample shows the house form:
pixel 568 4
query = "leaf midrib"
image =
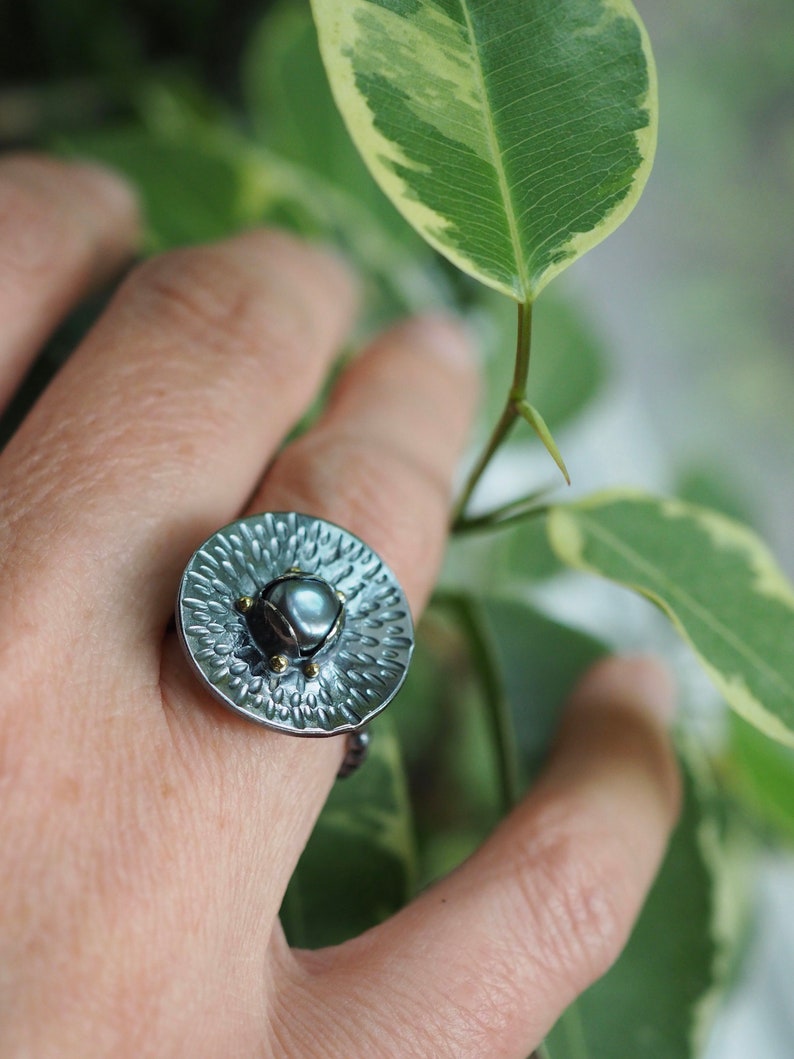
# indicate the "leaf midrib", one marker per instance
pixel 496 155
pixel 686 601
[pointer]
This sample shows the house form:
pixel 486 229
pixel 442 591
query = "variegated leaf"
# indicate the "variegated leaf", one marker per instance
pixel 513 135
pixel 714 578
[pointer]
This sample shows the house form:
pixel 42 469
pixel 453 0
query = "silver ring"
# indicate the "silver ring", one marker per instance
pixel 296 624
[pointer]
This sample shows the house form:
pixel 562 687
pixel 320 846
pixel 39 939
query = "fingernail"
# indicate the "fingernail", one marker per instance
pixel 443 336
pixel 641 680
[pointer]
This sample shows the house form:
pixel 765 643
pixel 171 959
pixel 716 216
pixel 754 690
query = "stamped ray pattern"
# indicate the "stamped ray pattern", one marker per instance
pixel 354 683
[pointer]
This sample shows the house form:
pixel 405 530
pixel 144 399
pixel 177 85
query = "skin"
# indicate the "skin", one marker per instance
pixel 147 834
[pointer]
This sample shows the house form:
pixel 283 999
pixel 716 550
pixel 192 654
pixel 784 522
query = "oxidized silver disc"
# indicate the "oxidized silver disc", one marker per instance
pixel 365 660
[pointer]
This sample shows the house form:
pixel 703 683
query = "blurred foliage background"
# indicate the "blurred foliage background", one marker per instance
pixel 665 360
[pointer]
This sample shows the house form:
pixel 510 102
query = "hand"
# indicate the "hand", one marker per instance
pixel 148 834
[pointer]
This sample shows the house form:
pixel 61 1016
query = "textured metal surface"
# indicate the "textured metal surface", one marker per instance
pixel 358 676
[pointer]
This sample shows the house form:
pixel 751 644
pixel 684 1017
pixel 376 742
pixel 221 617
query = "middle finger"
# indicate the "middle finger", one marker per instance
pixel 159 427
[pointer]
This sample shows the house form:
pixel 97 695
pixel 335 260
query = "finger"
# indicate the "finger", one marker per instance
pixel 158 428
pixel 381 460
pixel 539 912
pixel 63 228
pixel 380 463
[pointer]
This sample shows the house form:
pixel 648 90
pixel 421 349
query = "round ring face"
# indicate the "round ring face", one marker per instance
pixel 295 623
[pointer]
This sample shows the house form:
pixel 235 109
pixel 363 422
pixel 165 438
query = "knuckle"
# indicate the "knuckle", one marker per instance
pixel 195 290
pixel 572 885
pixel 215 300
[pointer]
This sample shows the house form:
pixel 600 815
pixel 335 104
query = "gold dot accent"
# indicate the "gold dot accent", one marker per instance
pixel 278 663
pixel 244 604
pixel 311 669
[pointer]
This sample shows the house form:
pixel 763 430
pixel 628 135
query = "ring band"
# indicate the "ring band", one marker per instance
pixel 295 623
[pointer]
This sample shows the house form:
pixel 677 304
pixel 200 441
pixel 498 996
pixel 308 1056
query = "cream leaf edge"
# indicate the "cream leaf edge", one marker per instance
pixel 568 542
pixel 337 33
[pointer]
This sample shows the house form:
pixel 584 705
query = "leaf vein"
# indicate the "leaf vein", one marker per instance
pixel 700 612
pixel 496 153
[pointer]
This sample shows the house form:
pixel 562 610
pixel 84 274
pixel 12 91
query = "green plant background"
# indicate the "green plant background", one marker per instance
pixel 683 318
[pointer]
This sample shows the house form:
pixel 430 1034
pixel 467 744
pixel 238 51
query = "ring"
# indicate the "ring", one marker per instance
pixel 296 624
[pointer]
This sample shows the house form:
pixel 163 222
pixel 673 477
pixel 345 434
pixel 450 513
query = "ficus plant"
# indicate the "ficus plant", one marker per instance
pixel 465 153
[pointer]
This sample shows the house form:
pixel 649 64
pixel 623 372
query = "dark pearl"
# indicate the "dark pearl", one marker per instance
pixel 296 615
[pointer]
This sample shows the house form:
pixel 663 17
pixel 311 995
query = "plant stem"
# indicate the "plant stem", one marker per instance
pixel 485 662
pixel 510 413
pixel 515 511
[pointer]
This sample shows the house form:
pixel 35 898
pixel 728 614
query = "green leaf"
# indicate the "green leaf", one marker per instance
pixel 714 487
pixel 295 119
pixel 715 580
pixel 288 99
pixel 200 183
pixel 514 136
pixel 488 690
pixel 192 192
pixel 760 773
pixel 650 1003
pixel 446 726
pixel 358 867
pixel 540 661
pixel 418 718
pixel 523 554
pixel 568 361
pixel 485 659
pixel 294 115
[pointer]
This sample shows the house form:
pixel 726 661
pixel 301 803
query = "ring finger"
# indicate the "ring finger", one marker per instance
pixel 380 463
